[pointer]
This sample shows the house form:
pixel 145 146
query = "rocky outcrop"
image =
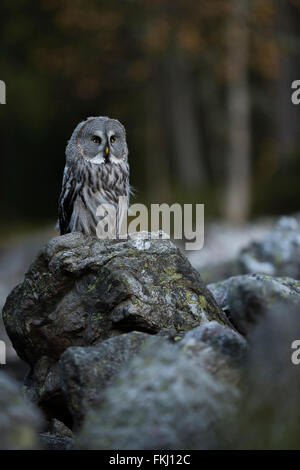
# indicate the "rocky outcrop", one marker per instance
pixel 87 371
pixel 129 350
pixel 172 395
pixel 278 254
pixel 81 291
pixel 246 299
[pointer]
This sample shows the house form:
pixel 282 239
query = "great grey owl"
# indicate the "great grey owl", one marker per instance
pixel 96 172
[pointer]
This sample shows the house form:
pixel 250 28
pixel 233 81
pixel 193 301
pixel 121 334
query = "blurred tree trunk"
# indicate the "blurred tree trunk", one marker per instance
pixel 215 122
pixel 185 130
pixel 237 191
pixel 287 113
pixel 157 169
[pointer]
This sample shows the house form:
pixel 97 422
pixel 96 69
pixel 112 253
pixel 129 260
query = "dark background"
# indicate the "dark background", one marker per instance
pixel 202 87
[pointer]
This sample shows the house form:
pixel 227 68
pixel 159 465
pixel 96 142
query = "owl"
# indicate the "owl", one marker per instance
pixel 96 173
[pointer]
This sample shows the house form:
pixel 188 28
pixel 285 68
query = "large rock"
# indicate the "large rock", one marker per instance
pixel 19 420
pixel 80 291
pixel 87 371
pixel 278 254
pixel 246 299
pixel 172 395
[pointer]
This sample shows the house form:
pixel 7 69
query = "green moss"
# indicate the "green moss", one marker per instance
pixel 92 287
pixel 170 270
pixel 203 302
pixel 172 273
pixel 190 299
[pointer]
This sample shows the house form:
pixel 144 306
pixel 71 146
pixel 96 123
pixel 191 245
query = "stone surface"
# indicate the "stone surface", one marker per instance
pixel 170 396
pixel 245 299
pixel 42 386
pixel 184 379
pixel 57 437
pixel 80 291
pixel 19 420
pixel 278 254
pixel 221 339
pixel 87 371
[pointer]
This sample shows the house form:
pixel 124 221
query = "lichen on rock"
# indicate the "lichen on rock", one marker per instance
pixel 81 291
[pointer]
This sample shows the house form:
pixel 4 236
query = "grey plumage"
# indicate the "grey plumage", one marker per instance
pixel 96 172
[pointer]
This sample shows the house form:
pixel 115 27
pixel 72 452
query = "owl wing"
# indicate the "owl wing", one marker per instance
pixel 66 201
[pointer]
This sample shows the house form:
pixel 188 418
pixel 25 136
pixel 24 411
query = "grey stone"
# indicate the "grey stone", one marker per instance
pixel 245 299
pixel 57 437
pixel 42 386
pixel 50 441
pixel 170 396
pixel 80 291
pixel 222 339
pixel 87 371
pixel 278 254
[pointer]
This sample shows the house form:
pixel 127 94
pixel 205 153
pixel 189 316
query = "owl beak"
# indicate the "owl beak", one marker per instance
pixel 106 154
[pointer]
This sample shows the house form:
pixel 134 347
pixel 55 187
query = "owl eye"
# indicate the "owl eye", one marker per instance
pixel 112 139
pixel 96 139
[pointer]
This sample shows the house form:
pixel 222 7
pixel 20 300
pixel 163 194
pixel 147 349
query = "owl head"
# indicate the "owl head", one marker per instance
pixel 98 140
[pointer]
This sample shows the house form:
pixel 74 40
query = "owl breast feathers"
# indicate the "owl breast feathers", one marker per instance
pixel 96 172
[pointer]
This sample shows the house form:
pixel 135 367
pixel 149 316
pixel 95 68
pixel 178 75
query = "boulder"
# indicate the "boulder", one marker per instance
pixel 220 339
pixel 278 254
pixel 172 395
pixel 245 299
pixel 81 291
pixel 87 371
